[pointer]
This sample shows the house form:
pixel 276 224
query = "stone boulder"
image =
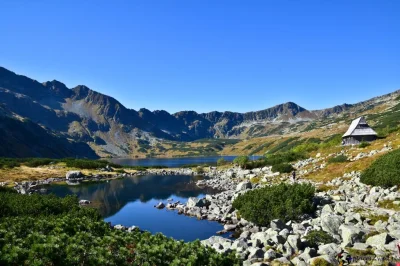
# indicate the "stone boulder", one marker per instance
pixel 330 223
pixel 73 175
pixel 243 186
pixel 160 205
pixel 350 234
pixel 195 202
pixel 331 249
pixel 277 225
pixel 255 253
pixel 379 240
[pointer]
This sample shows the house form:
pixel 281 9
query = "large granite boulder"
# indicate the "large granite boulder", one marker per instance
pixel 71 175
pixel 379 240
pixel 243 186
pixel 195 202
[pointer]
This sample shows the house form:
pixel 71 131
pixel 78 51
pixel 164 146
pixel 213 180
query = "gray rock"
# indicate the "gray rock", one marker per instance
pixel 119 227
pixel 239 244
pixel 298 262
pixel 330 223
pixel 379 240
pixel 230 227
pixel 284 233
pixel 277 225
pixel 278 239
pixel 73 175
pixel 195 202
pixel 288 250
pixel 327 209
pixel 255 253
pixel 270 254
pixel 133 228
pixel 255 243
pixel 262 236
pixel 329 249
pixel 340 207
pixel 84 202
pixel 243 186
pixel 307 254
pixel 361 246
pixel 294 242
pixel 350 234
pixel 245 235
pixel 160 205
pixel 395 234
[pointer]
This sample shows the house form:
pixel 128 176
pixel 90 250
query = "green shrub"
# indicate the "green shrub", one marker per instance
pixel 282 168
pixel 332 141
pixel 306 147
pixel 284 157
pixel 241 161
pixel 9 162
pixel 318 237
pixel 286 145
pixel 338 159
pixel 364 144
pixel 384 171
pixel 256 163
pixel 221 161
pixel 46 230
pixel 283 201
pixel 35 162
pixel 88 164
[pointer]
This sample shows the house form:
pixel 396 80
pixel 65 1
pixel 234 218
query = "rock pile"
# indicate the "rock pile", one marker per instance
pixel 347 213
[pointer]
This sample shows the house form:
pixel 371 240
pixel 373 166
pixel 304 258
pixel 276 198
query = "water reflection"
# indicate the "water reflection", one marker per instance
pixel 130 201
pixel 174 162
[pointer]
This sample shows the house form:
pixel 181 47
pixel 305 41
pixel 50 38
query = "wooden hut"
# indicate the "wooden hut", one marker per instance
pixel 358 131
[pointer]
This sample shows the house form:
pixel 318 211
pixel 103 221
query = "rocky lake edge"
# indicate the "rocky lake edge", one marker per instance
pixel 348 211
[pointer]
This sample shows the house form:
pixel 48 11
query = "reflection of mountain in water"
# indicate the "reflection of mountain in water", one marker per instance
pixel 113 195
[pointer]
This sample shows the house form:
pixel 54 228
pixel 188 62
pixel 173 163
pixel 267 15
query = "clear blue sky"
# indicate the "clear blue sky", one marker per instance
pixel 208 55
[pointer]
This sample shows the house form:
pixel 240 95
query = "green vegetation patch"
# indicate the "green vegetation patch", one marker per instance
pixel 386 122
pixel 261 147
pixel 222 161
pixel 332 141
pixel 241 161
pixel 384 171
pixel 283 201
pixel 389 204
pixel 286 145
pixel 318 237
pixel 364 144
pixel 282 168
pixel 46 230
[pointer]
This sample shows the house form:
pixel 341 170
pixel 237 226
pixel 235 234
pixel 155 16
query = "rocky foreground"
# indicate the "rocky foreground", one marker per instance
pixel 345 211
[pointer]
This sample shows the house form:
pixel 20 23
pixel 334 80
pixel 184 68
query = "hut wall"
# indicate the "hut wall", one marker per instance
pixel 355 140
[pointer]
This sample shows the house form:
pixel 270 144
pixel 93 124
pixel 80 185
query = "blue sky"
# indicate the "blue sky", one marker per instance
pixel 208 55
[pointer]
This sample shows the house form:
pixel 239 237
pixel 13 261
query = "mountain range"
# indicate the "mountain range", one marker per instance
pixel 50 120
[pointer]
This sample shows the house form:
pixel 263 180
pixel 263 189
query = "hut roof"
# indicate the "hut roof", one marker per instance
pixel 359 127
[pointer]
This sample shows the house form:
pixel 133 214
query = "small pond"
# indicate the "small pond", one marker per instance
pixel 130 201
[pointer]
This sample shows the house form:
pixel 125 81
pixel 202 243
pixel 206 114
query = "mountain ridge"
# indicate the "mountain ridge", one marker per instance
pixel 85 115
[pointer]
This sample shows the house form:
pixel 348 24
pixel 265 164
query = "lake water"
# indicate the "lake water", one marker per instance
pixel 130 201
pixel 173 162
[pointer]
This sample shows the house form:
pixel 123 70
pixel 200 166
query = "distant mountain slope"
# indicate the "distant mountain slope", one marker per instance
pixel 27 139
pixel 111 129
